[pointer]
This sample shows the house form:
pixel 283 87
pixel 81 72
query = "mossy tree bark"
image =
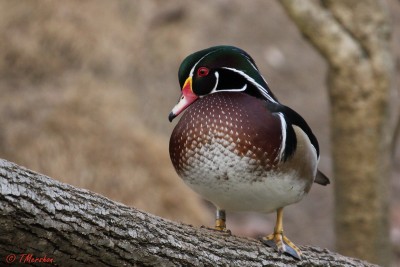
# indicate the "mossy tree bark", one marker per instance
pixel 353 36
pixel 47 219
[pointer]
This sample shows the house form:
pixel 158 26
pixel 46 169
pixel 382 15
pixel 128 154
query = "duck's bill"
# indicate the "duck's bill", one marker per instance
pixel 186 99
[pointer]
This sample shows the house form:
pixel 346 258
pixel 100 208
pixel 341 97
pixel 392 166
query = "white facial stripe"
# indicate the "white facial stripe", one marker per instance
pixel 230 90
pixel 283 141
pixel 214 90
pixel 249 60
pixel 254 66
pixel 263 91
pixel 194 66
pixel 251 63
pixel 264 79
pixel 216 83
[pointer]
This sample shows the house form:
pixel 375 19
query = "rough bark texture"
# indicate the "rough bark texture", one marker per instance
pixel 353 36
pixel 75 227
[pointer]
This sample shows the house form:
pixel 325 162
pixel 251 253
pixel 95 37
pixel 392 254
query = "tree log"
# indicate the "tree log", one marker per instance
pixel 42 218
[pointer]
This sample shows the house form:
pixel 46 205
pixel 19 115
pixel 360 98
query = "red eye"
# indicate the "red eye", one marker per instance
pixel 202 71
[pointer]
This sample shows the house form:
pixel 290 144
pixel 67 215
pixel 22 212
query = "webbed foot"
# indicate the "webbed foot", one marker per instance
pixel 279 241
pixel 282 244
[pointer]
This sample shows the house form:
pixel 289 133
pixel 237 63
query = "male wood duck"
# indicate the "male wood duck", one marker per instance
pixel 237 145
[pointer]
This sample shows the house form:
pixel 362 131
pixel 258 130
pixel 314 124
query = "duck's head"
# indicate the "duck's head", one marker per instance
pixel 219 69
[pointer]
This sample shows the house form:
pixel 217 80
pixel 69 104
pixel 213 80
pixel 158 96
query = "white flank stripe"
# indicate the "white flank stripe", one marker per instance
pixel 283 142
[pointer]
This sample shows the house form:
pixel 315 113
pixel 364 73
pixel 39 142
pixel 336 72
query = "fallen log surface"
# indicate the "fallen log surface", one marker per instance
pixel 44 222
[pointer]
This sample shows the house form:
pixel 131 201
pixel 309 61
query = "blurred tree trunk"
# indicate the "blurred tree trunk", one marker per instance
pixel 353 36
pixel 43 218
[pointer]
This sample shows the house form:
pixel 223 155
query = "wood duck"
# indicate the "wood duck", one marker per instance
pixel 237 145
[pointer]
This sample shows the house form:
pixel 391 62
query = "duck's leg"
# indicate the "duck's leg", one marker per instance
pixel 220 220
pixel 280 242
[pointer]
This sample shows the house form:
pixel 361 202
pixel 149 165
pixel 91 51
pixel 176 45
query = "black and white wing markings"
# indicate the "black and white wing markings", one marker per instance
pixel 293 118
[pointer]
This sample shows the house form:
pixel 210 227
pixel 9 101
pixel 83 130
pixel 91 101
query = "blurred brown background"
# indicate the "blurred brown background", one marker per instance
pixel 86 88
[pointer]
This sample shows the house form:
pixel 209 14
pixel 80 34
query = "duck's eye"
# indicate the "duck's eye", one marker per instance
pixel 202 71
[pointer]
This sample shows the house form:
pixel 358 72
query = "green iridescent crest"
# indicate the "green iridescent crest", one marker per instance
pixel 219 59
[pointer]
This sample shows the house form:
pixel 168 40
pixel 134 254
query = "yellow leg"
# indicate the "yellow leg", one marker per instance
pixel 280 242
pixel 220 222
pixel 220 219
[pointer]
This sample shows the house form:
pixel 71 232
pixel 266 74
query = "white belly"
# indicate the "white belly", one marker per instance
pixel 237 183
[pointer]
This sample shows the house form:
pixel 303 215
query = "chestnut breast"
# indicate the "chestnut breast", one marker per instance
pixel 226 123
